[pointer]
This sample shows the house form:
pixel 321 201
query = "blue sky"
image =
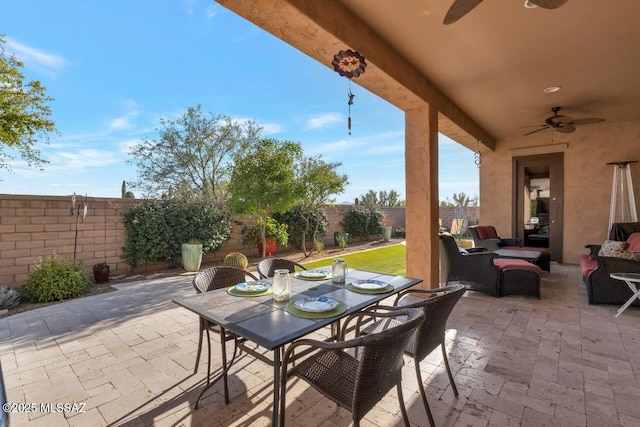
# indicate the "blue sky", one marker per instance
pixel 116 68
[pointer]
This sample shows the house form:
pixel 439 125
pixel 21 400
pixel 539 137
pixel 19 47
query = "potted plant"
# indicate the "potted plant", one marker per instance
pixel 192 255
pixel 274 232
pixel 101 272
pixel 385 225
pixel 340 238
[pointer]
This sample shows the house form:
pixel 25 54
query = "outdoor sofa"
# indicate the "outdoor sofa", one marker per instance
pixel 619 254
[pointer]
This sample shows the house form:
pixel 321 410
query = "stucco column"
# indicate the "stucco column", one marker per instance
pixel 421 171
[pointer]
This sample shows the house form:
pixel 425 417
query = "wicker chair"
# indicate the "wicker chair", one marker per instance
pixel 356 384
pixel 209 280
pixel 476 270
pixel 268 266
pixel 437 307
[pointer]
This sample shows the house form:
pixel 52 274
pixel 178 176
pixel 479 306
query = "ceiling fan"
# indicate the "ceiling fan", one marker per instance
pixel 564 124
pixel 459 8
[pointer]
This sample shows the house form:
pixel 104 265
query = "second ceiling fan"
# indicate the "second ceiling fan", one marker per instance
pixel 459 8
pixel 564 124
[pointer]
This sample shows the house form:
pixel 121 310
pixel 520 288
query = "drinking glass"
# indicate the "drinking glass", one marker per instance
pixel 281 286
pixel 339 270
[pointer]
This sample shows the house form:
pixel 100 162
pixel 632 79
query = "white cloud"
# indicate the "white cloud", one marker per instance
pixel 83 159
pixel 120 123
pixel 322 120
pixel 43 62
pixel 270 128
pixel 211 11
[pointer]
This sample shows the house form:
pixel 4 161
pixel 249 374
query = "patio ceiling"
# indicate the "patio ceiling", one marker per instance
pixel 486 72
pixel 495 62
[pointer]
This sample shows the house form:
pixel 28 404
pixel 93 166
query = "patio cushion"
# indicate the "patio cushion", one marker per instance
pixel 609 246
pixel 587 265
pixel 504 263
pixel 634 256
pixel 543 251
pixel 486 232
pixel 633 243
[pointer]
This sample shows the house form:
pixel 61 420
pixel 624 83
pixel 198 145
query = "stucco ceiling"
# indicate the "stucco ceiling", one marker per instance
pixel 495 62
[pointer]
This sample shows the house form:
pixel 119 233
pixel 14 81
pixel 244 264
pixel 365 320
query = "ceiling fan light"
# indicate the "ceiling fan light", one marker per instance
pixel 529 5
pixel 552 89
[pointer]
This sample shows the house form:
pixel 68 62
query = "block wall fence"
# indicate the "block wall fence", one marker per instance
pixel 33 227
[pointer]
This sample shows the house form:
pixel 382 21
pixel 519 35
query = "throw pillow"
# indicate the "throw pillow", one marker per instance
pixel 611 245
pixel 633 256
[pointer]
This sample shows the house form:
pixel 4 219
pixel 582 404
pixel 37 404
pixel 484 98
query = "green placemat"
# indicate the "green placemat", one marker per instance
pixel 384 290
pixel 236 293
pixel 315 315
pixel 297 275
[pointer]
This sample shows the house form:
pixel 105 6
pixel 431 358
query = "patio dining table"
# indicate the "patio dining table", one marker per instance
pixel 266 322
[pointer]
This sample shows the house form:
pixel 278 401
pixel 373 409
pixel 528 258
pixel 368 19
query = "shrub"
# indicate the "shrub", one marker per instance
pixel 272 229
pixel 56 278
pixel 295 224
pixel 401 232
pixel 362 222
pixel 156 229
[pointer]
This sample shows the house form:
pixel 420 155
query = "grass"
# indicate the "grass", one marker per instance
pixel 388 260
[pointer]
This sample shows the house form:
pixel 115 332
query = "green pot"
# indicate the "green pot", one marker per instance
pixel 191 256
pixel 386 233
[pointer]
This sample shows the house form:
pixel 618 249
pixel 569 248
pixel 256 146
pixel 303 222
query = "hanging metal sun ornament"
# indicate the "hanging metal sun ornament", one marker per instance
pixel 477 157
pixel 349 64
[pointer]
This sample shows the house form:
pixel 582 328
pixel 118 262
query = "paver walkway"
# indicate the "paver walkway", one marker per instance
pixel 126 358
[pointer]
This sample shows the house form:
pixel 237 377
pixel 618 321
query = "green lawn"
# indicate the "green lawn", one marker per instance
pixel 388 260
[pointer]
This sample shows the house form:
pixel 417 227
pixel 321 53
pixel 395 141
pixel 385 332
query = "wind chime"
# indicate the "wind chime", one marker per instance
pixel 349 64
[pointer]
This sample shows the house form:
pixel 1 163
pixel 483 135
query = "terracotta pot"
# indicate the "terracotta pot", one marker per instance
pixel 271 246
pixel 101 275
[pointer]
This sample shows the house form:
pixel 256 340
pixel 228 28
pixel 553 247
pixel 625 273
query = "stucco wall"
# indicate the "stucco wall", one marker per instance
pixel 587 180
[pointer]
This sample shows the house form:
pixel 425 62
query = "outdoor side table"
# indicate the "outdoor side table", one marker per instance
pixel 631 279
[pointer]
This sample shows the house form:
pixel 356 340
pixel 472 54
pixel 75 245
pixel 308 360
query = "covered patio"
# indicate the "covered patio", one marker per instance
pixel 485 81
pixel 128 357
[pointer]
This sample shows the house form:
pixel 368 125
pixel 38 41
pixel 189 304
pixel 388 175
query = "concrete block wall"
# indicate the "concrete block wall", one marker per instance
pixel 449 213
pixel 33 227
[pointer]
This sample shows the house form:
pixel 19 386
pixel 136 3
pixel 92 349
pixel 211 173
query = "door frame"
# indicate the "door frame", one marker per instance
pixel 556 198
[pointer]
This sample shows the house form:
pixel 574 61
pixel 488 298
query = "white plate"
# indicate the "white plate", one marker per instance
pixel 316 304
pixel 369 284
pixel 251 287
pixel 314 274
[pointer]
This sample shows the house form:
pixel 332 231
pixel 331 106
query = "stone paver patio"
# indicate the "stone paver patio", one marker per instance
pixel 128 357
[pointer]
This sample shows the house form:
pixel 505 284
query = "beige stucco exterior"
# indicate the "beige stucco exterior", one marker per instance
pixel 587 180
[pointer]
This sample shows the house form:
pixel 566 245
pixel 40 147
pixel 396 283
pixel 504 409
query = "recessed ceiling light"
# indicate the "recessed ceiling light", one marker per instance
pixel 529 5
pixel 552 89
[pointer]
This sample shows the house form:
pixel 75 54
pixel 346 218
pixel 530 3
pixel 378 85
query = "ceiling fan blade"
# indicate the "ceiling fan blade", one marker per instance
pixel 548 4
pixel 537 130
pixel 587 121
pixel 458 9
pixel 569 128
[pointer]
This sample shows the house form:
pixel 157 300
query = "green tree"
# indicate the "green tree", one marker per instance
pixel 191 157
pixel 381 198
pixel 460 200
pixel 263 180
pixel 24 113
pixel 317 182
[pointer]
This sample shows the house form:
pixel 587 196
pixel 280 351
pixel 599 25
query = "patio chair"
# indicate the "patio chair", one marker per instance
pixel 437 305
pixel 476 270
pixel 485 236
pixel 209 280
pixel 356 384
pixel 268 266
